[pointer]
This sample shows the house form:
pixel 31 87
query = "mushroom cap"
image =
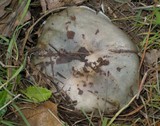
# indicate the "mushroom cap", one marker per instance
pixel 94 62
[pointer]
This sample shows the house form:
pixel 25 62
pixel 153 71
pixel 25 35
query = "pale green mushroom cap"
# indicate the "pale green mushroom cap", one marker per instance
pixel 95 62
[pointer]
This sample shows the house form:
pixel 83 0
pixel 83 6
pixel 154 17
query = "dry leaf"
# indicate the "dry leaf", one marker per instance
pixel 158 124
pixel 41 115
pixel 152 56
pixel 51 4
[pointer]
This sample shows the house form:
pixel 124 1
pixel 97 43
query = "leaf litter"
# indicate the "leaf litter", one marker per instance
pixel 53 4
pixel 44 114
pixel 142 109
pixel 10 13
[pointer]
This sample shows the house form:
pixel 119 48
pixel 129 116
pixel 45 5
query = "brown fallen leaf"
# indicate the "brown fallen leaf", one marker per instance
pixel 152 56
pixel 52 4
pixel 41 115
pixel 158 124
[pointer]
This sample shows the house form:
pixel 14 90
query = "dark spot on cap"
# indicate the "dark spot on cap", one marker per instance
pixel 97 31
pixel 91 51
pixel 105 62
pixel 70 34
pixel 99 59
pixel 80 92
pixel 67 27
pixel 63 59
pixel 83 52
pixel 83 36
pixel 102 62
pixel 91 84
pixel 84 85
pixel 52 23
pixel 95 63
pixel 108 73
pixel 106 56
pixel 103 99
pixel 96 92
pixel 85 70
pixel 104 73
pixel 119 69
pixel 73 69
pixel 73 18
pixel 115 88
pixel 60 75
pixel 69 89
pixel 79 73
pixel 90 91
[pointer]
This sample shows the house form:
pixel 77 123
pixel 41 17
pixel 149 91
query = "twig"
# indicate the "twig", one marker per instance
pixel 55 116
pixel 119 112
pixel 7 66
pixel 145 113
pixel 157 76
pixel 142 83
pixel 146 44
pixel 146 7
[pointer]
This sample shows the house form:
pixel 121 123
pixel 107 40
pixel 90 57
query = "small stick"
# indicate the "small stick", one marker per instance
pixel 10 102
pixel 142 83
pixel 7 66
pixel 146 7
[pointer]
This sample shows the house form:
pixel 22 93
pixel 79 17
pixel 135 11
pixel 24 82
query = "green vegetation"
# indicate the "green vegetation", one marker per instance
pixel 143 112
pixel 37 94
pixel 10 75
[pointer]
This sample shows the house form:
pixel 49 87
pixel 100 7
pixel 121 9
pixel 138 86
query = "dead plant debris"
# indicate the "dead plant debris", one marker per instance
pixel 44 114
pixel 10 13
pixel 132 17
pixel 152 56
pixel 52 4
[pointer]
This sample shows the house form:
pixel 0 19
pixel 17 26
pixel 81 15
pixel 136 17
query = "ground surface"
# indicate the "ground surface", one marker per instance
pixel 139 19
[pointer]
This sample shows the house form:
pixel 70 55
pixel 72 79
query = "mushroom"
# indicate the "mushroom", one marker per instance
pixel 95 63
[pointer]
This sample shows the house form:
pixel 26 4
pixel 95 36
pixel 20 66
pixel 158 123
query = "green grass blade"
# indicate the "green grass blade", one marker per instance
pixel 5 39
pixel 104 121
pixel 116 115
pixel 14 36
pixel 88 118
pixel 16 73
pixel 25 11
pixel 8 123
